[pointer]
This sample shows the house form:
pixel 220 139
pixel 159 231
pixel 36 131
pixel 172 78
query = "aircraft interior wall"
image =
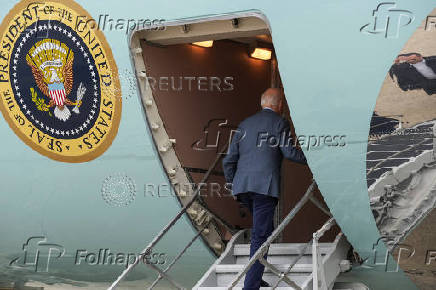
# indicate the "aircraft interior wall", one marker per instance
pixel 202 93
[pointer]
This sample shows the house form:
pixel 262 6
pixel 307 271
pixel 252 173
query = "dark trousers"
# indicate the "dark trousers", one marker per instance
pixel 262 208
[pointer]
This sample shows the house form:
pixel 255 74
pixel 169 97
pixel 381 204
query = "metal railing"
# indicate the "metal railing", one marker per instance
pixel 318 269
pixel 257 256
pixel 152 244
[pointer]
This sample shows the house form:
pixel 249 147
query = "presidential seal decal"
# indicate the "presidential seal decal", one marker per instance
pixel 59 85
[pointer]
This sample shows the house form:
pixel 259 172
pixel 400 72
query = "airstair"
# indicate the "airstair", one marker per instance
pixel 312 265
pixel 288 266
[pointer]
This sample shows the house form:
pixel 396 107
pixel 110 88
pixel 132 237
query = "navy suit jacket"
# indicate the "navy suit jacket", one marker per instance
pixel 253 160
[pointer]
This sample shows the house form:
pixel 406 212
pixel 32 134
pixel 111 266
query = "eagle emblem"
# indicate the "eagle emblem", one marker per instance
pixel 59 83
pixel 51 63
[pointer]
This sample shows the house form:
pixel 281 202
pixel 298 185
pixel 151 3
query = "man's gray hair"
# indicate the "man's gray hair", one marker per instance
pixel 269 98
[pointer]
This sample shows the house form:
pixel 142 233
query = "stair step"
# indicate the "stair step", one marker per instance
pixel 280 255
pixel 240 288
pixel 224 279
pixel 283 249
pixel 235 268
pixel 349 286
pixel 278 259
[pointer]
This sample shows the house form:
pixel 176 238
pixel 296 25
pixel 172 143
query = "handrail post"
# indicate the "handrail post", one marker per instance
pixel 315 263
pixel 318 274
pixel 319 280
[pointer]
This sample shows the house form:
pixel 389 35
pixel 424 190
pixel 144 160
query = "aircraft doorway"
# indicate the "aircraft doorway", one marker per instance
pixel 198 82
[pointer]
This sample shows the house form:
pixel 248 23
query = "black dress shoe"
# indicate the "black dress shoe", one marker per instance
pixel 264 284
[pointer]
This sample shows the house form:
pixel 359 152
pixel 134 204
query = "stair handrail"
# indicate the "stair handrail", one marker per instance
pixel 156 239
pixel 264 247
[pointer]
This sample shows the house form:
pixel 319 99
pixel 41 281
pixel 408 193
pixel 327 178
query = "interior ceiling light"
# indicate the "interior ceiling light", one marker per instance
pixel 207 43
pixel 261 53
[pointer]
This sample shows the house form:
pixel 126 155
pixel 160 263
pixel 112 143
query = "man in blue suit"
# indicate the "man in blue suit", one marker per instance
pixel 253 164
